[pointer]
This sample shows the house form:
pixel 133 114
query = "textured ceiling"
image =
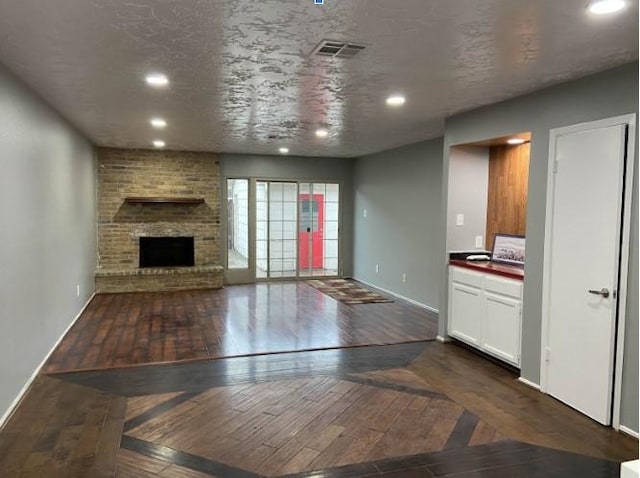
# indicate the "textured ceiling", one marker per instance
pixel 240 70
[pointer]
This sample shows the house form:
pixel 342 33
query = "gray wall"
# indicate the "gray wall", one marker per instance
pixel 302 168
pixel 401 191
pixel 47 212
pixel 607 94
pixel 468 191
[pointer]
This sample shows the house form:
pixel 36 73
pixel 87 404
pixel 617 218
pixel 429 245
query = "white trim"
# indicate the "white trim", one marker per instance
pixel 546 267
pixel 7 414
pixel 529 383
pixel 630 121
pixel 629 431
pixel 443 340
pixel 411 301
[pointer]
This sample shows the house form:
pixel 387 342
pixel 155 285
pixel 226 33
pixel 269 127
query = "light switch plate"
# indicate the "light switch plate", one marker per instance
pixel 478 241
pixel 459 219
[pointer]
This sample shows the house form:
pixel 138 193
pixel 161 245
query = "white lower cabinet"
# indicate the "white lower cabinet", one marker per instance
pixel 501 331
pixel 485 311
pixel 463 319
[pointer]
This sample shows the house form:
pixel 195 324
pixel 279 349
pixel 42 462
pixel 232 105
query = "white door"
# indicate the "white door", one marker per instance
pixel 582 267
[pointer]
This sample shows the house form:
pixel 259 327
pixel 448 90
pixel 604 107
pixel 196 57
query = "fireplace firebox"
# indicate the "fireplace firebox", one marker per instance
pixel 166 252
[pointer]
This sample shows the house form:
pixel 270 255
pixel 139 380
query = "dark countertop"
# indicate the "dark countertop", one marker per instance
pixel 505 270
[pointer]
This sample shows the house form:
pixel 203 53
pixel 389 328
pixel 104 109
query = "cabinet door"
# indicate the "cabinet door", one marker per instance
pixel 501 334
pixel 466 314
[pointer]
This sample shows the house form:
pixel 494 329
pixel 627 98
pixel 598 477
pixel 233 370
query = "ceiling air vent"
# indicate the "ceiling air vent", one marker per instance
pixel 336 49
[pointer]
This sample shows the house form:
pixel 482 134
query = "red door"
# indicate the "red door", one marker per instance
pixel 311 221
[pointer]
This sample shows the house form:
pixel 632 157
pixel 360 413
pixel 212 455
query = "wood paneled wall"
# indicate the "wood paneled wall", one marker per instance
pixel 507 194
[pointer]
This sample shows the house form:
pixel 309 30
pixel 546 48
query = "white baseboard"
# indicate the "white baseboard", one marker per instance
pixel 629 431
pixel 442 339
pixel 7 414
pixel 411 301
pixel 529 383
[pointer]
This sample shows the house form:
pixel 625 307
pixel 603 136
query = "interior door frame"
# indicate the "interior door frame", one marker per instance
pixel 630 121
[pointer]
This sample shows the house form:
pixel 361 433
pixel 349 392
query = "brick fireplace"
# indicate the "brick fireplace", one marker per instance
pixel 147 197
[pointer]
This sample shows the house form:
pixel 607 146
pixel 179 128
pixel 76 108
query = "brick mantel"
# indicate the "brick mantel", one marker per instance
pixel 124 174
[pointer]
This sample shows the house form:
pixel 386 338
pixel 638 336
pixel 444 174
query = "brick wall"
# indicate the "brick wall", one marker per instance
pixel 138 173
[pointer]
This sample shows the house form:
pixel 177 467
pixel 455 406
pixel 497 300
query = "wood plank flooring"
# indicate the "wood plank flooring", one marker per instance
pixel 290 426
pixel 520 412
pixel 119 330
pixel 62 430
pixel 412 409
pixel 504 459
pixel 419 409
pixel 136 465
pixel 201 375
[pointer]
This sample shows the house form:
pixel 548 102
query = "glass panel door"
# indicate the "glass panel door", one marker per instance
pixel 238 223
pixel 276 220
pixel 330 259
pixel 318 229
pixel 239 250
pixel 262 229
pixel 294 233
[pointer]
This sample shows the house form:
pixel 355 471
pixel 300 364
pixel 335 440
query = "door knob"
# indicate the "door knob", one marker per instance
pixel 603 292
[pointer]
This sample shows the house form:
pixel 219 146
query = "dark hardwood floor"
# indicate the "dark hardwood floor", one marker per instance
pixel 518 411
pixel 119 330
pixel 62 430
pixel 417 409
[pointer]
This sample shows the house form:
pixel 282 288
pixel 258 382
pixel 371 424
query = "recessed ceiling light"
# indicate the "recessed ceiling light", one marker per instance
pixel 284 150
pixel 158 143
pixel 602 7
pixel 396 100
pixel 515 141
pixel 322 133
pixel 158 123
pixel 157 79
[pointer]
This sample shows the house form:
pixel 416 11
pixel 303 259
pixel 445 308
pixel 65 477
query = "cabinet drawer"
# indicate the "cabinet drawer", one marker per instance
pixel 510 288
pixel 471 278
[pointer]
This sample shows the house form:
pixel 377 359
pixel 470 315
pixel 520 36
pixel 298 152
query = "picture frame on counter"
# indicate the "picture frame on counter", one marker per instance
pixel 508 249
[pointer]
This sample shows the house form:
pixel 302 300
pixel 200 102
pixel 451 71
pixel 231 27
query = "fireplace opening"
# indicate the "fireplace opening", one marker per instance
pixel 166 251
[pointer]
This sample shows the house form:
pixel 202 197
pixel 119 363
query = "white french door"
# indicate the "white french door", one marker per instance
pixel 239 233
pixel 318 240
pixel 281 230
pixel 276 226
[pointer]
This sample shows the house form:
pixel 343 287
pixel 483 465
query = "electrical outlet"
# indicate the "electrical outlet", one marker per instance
pixel 459 219
pixel 377 268
pixel 478 241
pixel 404 277
pixel 78 290
pixel 364 213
